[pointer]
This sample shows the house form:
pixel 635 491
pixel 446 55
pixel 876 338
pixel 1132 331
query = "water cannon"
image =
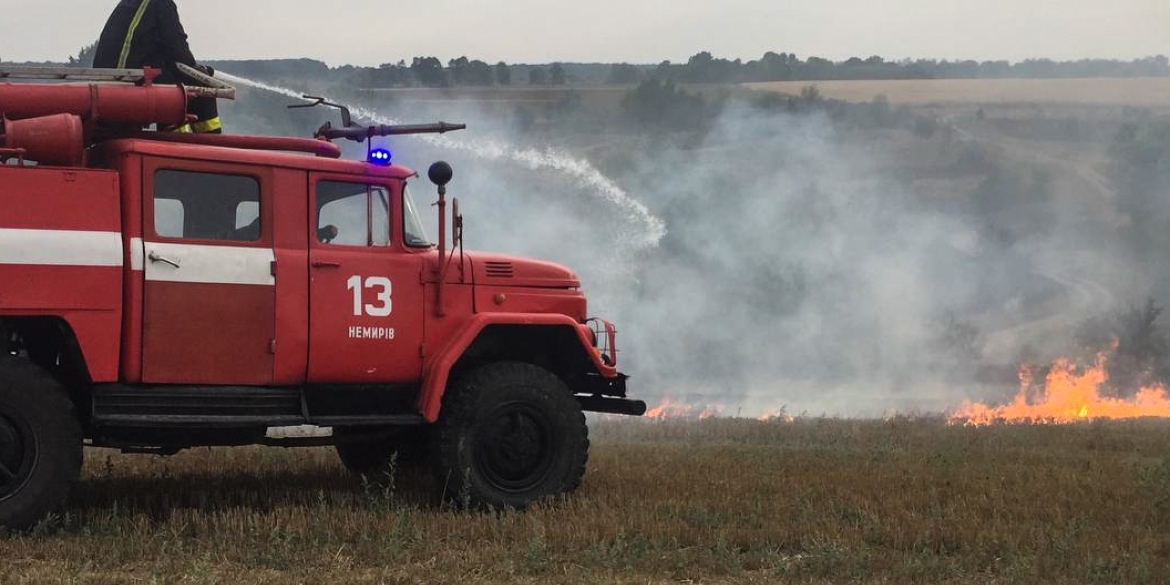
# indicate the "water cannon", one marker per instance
pixel 364 133
pixel 357 133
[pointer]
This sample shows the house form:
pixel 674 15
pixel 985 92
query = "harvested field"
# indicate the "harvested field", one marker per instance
pixel 717 501
pixel 1138 92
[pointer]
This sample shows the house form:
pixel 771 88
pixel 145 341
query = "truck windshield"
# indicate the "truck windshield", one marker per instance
pixel 415 235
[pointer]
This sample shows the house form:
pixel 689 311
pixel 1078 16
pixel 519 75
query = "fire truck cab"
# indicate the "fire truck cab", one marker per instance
pixel 162 291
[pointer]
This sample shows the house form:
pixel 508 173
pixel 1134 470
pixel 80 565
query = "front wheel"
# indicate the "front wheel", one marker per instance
pixel 40 444
pixel 508 435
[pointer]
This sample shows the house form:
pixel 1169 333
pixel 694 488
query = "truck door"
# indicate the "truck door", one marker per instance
pixel 209 291
pixel 365 291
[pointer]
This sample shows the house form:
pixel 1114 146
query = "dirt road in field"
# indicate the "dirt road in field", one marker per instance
pixel 1084 297
pixel 1082 272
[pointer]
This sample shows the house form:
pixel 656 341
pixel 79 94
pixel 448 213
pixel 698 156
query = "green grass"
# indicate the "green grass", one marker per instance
pixel 719 501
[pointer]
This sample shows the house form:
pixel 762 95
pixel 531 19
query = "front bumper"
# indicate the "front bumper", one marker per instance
pixel 612 405
pixel 608 395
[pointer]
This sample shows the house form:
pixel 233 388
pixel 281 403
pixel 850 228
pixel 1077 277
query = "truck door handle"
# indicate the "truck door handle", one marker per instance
pixel 154 257
pixel 326 264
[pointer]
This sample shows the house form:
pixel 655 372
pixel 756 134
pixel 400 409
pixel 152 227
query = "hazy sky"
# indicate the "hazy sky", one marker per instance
pixel 368 32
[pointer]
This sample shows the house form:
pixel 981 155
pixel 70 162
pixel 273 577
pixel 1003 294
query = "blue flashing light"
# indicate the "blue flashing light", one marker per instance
pixel 380 156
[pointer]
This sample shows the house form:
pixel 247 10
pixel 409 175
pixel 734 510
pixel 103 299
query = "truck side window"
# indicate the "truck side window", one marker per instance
pixel 353 214
pixel 206 206
pixel 168 218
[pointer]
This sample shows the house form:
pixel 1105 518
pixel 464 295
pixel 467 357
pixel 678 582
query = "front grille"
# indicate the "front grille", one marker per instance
pixel 604 339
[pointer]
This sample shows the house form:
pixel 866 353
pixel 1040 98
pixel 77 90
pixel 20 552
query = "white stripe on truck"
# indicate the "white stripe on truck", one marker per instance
pixel 136 255
pixel 60 247
pixel 197 263
pixel 209 264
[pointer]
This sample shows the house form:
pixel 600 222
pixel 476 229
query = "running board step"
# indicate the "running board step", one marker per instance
pixel 224 406
pixel 119 405
pixel 196 420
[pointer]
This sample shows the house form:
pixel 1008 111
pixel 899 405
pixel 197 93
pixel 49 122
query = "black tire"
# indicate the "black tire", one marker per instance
pixel 40 444
pixel 372 457
pixel 510 434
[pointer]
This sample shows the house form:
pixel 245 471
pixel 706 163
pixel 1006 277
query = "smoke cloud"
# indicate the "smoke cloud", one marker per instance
pixel 781 260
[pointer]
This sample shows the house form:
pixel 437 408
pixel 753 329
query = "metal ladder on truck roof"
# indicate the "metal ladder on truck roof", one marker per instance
pixel 208 86
pixel 72 74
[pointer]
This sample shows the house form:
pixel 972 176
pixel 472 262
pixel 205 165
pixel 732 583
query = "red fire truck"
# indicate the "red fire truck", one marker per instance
pixel 160 291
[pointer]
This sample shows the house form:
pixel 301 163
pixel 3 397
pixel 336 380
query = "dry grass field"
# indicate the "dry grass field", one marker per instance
pixel 1138 92
pixel 717 501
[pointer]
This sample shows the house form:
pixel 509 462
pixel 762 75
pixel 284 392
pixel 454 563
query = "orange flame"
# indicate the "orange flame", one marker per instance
pixel 1067 396
pixel 674 409
pixel 777 414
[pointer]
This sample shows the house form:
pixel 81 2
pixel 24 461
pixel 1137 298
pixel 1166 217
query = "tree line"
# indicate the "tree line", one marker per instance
pixel 462 71
pixel 703 67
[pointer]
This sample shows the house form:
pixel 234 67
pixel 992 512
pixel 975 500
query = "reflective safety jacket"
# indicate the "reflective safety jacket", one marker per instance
pixel 144 33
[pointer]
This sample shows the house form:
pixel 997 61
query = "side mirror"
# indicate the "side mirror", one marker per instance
pixel 456 224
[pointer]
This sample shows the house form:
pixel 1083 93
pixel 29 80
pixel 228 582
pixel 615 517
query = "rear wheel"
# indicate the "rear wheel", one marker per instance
pixel 40 444
pixel 510 434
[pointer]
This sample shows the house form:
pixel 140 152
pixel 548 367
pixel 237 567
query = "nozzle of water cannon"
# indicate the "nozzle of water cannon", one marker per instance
pixel 361 134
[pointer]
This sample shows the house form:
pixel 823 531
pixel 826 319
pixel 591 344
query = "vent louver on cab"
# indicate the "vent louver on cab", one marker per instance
pixel 499 269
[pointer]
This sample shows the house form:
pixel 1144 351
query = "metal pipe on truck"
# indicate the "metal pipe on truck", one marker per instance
pixel 96 102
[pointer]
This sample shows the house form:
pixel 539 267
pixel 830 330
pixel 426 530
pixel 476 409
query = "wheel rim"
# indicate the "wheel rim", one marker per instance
pixel 514 448
pixel 18 453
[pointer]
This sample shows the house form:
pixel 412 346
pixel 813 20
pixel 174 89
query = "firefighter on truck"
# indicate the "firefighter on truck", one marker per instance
pixel 148 33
